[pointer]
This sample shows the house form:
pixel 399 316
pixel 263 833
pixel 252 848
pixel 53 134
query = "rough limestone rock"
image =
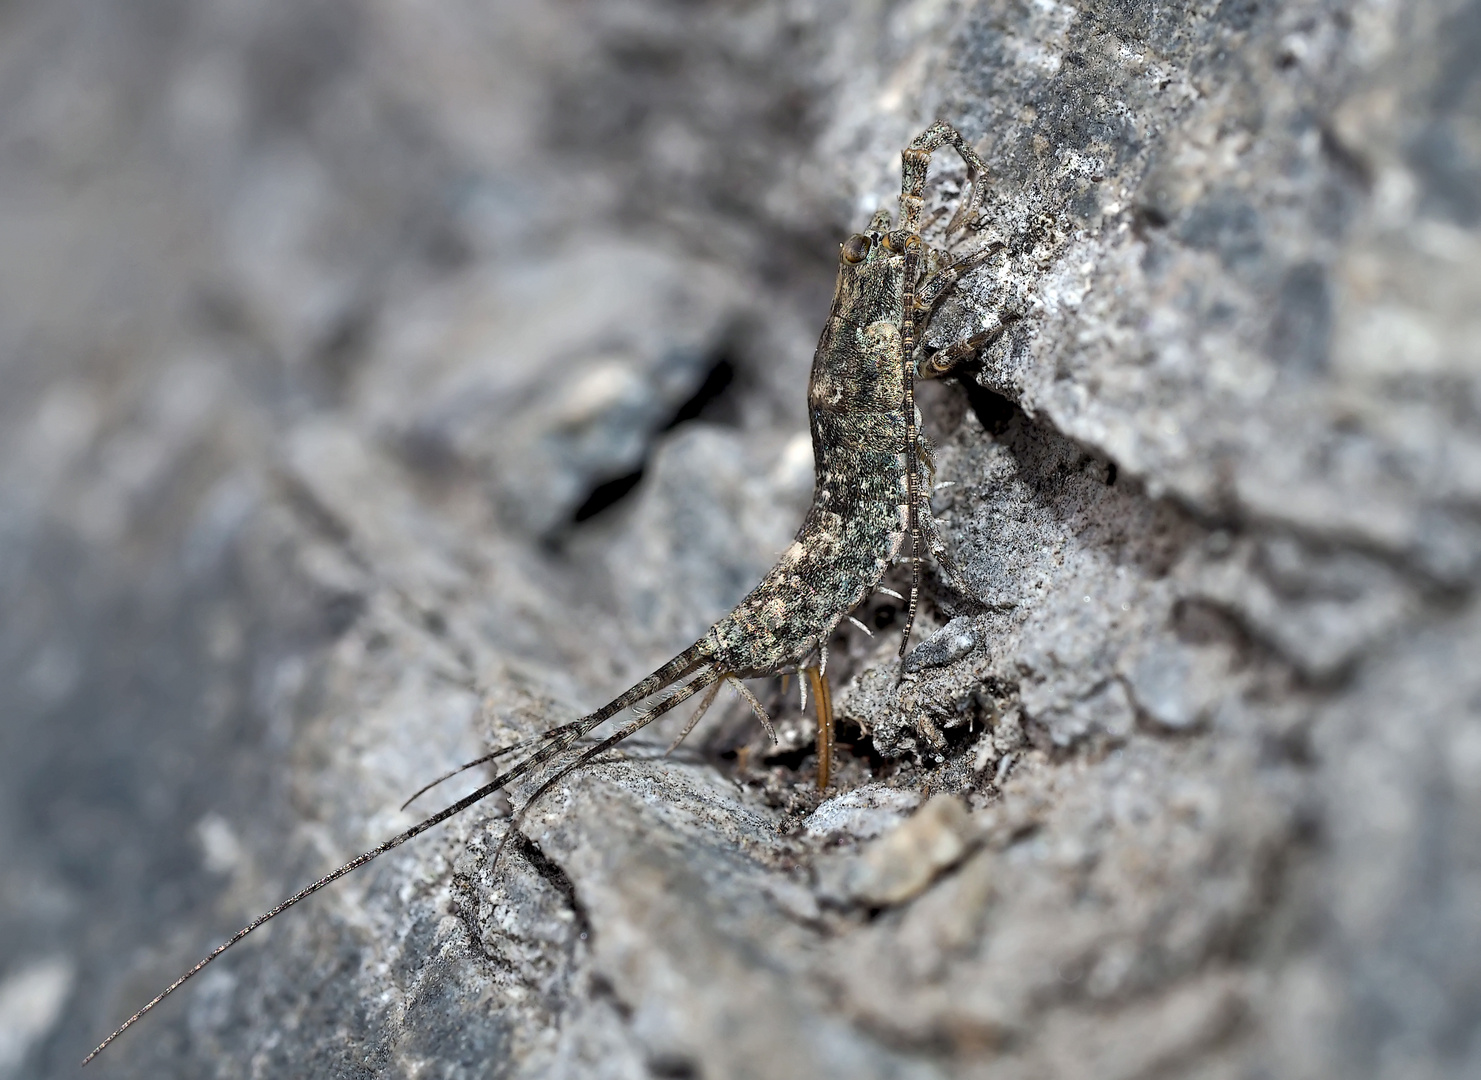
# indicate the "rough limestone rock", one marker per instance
pixel 381 383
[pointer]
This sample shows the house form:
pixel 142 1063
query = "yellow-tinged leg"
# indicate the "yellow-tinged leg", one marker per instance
pixel 823 702
pixel 828 711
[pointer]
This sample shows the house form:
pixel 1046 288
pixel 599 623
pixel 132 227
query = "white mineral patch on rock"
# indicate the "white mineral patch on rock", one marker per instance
pixel 863 813
pixel 31 999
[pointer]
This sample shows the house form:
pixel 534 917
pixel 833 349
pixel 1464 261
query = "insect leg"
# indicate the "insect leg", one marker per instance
pixel 945 562
pixel 943 360
pixel 944 280
pixel 823 696
pixel 914 162
pixel 930 530
pixel 704 707
pixel 761 715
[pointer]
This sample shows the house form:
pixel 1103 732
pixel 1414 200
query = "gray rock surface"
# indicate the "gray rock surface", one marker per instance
pixel 381 383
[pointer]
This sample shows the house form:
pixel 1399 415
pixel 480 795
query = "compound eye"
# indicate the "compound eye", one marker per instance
pixel 855 248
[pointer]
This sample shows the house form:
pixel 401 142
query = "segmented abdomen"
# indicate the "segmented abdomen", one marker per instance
pixel 841 551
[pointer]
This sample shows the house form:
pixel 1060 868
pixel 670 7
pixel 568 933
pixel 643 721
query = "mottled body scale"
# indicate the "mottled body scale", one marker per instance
pixel 872 474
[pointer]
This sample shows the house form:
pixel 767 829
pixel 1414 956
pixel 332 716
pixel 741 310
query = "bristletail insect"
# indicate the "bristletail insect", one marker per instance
pixel 871 501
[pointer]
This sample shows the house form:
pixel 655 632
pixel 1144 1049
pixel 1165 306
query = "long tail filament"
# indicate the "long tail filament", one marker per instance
pixel 551 744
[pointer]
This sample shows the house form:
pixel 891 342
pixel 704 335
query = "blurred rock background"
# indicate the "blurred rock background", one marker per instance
pixel 379 382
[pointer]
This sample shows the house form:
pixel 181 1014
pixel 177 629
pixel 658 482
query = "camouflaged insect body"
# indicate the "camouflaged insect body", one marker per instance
pixel 856 523
pixel 870 496
pixel 858 518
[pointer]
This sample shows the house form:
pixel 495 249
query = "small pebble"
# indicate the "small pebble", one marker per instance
pixel 947 645
pixel 900 864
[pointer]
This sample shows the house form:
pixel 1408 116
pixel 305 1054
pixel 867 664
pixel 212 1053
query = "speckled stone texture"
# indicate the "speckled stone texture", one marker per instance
pixel 383 382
